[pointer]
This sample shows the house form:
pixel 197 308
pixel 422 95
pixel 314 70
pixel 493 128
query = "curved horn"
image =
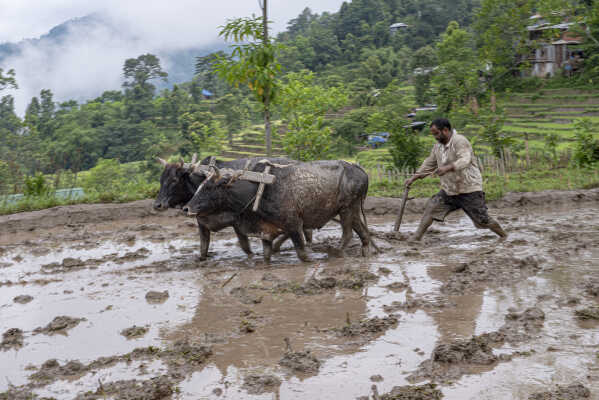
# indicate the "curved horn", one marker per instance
pixel 215 171
pixel 209 177
pixel 161 161
pixel 182 161
pixel 194 158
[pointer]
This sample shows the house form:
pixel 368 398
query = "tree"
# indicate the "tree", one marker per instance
pixel 7 81
pixel 142 69
pixel 46 124
pixel 304 106
pixel 252 63
pixel 456 79
pixel 502 35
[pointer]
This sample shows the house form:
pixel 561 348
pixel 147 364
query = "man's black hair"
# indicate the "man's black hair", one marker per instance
pixel 441 123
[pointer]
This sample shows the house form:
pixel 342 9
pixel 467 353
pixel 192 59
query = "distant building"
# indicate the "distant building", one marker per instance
pixel 207 94
pixel 555 53
pixel 397 27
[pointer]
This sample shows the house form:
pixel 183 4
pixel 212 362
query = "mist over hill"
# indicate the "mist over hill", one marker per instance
pixel 82 57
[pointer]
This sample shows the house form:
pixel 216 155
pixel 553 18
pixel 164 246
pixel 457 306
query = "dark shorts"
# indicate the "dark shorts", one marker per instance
pixel 473 205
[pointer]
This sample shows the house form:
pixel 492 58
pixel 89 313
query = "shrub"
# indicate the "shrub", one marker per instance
pixel 587 148
pixel 406 149
pixel 36 186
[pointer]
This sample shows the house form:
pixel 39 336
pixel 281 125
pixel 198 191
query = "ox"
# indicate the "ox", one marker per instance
pixel 178 185
pixel 303 196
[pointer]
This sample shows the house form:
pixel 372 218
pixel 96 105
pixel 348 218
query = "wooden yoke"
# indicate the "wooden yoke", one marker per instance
pixel 252 176
pixel 261 190
pixel 262 178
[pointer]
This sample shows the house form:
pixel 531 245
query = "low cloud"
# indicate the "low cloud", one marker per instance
pixel 89 58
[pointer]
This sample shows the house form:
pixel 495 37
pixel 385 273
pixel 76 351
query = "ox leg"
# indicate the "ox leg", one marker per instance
pixel 308 236
pixel 244 242
pixel 267 250
pixel 204 241
pixel 346 226
pixel 300 247
pixel 276 246
pixel 362 230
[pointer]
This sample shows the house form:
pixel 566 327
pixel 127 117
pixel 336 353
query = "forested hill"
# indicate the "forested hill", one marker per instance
pixel 332 40
pixel 343 76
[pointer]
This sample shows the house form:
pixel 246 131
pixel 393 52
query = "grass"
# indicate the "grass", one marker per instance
pixel 495 186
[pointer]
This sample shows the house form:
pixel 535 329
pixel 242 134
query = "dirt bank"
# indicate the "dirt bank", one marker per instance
pixel 91 213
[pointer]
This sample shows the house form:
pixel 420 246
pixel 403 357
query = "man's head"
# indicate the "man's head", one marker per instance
pixel 441 130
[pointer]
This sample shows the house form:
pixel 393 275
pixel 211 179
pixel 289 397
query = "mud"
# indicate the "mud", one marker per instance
pixel 23 299
pixel 301 361
pixel 422 392
pixel 157 388
pixel 154 297
pixel 575 391
pixel 489 270
pixel 367 327
pixel 259 384
pixel 492 319
pixel 588 313
pixel 134 331
pixel 12 339
pixel 59 325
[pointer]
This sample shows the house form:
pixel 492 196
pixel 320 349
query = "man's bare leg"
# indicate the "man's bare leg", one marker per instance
pixel 425 223
pixel 495 227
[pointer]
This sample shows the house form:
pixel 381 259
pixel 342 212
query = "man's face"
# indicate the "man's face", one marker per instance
pixel 442 136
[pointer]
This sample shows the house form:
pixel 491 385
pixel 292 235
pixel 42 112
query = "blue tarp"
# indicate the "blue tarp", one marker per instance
pixel 207 93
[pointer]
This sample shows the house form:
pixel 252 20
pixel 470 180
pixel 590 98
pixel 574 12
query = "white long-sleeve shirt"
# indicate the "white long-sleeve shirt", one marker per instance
pixel 466 177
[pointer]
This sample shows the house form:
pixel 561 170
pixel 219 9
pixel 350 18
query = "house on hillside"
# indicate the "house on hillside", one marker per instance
pixel 393 28
pixel 556 53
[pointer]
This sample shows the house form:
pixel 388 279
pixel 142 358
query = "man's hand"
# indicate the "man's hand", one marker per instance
pixel 445 169
pixel 411 180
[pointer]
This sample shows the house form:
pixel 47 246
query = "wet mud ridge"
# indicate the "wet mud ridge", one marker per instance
pixel 124 308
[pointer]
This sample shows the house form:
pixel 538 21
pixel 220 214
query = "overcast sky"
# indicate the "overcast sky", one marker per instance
pixel 21 19
pixel 91 61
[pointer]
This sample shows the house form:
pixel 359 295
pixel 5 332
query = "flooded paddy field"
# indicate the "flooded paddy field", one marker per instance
pixel 126 310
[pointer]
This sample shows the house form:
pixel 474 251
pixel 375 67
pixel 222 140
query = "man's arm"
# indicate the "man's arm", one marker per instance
pixel 429 165
pixel 463 151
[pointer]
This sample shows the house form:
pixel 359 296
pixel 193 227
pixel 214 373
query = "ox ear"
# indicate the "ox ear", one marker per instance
pixel 161 161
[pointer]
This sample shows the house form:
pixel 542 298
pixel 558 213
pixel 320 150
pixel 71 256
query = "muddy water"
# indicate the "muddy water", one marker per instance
pixel 457 284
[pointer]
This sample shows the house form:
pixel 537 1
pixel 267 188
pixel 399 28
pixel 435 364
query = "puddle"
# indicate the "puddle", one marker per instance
pixel 250 314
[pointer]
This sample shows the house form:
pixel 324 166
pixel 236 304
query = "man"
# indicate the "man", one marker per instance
pixel 452 159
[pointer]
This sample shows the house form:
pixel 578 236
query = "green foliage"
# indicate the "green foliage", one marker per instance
pixel 407 149
pixel 107 175
pixel 7 80
pixel 587 148
pixel 501 34
pixel 551 141
pixel 252 63
pixel 138 71
pixel 456 79
pixel 304 105
pixel 36 186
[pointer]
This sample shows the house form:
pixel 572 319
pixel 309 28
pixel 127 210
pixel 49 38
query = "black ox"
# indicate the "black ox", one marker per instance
pixel 303 196
pixel 178 185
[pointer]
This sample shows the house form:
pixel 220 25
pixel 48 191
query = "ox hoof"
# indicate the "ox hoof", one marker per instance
pixel 365 251
pixel 303 256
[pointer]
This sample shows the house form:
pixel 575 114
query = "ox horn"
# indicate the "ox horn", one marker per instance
pixel 194 158
pixel 161 161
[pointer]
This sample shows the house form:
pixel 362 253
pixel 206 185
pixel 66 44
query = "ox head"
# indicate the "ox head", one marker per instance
pixel 221 193
pixel 177 186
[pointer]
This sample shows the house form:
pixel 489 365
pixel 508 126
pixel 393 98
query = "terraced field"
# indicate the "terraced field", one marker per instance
pixel 549 111
pixel 251 143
